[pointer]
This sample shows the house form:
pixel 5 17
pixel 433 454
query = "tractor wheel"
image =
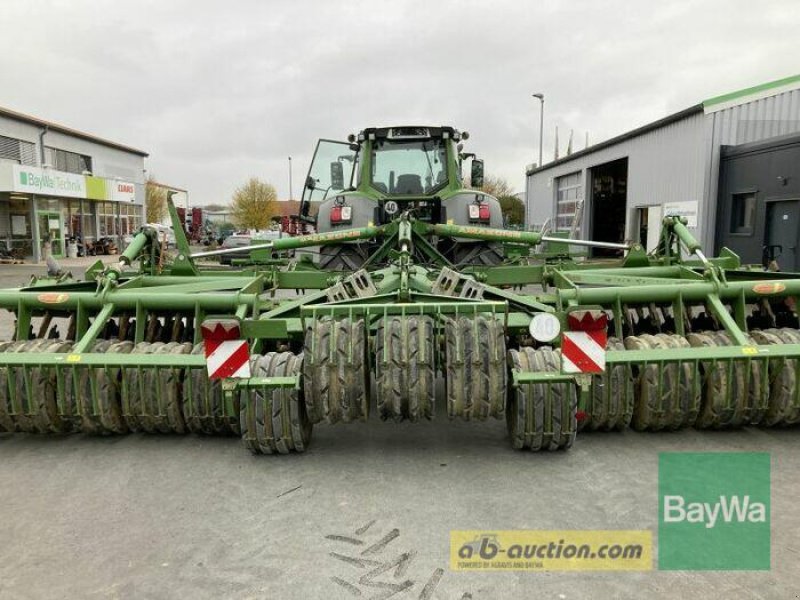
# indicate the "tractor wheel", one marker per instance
pixel 346 257
pixel 541 416
pixel 476 372
pixel 405 368
pixel 611 397
pixel 477 253
pixel 335 373
pixel 274 420
pixel 204 403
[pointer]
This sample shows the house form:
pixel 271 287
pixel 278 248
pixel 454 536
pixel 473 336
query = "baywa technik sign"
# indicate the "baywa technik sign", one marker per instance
pixel 46 181
pixel 50 182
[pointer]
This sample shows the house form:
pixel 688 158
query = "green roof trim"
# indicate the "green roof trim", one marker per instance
pixel 752 90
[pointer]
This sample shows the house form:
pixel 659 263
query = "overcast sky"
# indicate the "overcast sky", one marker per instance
pixel 217 92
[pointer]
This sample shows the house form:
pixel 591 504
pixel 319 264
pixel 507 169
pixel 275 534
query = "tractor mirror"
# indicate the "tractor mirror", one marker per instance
pixel 476 173
pixel 337 176
pixel 310 183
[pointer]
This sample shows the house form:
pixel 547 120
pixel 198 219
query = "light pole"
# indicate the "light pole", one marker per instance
pixel 291 197
pixel 541 124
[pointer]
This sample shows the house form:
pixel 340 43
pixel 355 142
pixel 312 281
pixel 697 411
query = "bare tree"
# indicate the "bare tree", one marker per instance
pixel 155 201
pixel 496 186
pixel 253 204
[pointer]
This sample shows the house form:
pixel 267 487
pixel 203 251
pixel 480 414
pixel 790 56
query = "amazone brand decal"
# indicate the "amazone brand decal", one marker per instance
pixel 768 288
pixel 52 298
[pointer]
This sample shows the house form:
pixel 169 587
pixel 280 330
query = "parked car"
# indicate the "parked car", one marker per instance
pixel 236 240
pixel 164 230
pixel 242 239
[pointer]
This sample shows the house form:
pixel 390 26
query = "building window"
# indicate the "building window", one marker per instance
pixel 21 240
pixel 17 151
pixel 743 213
pixel 569 192
pixel 107 218
pixel 71 162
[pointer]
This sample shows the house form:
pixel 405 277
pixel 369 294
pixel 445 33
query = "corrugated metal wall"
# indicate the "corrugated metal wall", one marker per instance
pixel 751 122
pixel 665 165
pixel 674 163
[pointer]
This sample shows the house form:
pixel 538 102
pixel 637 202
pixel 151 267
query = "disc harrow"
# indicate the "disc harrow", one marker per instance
pixel 437 309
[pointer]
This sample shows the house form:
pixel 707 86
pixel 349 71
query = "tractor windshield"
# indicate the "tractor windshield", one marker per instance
pixel 331 170
pixel 409 168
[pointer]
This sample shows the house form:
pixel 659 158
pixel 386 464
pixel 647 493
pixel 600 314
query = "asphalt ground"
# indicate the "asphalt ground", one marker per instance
pixel 365 513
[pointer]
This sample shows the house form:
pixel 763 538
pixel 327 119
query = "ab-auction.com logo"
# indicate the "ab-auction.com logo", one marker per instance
pixel 714 511
pixel 541 550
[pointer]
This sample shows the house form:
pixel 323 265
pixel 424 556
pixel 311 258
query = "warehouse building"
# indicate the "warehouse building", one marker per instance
pixel 60 186
pixel 730 165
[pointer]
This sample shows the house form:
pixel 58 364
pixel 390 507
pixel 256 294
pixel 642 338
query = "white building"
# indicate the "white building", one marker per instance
pixel 57 183
pixel 620 189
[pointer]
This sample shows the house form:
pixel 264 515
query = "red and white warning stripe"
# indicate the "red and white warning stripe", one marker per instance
pixel 583 350
pixel 226 354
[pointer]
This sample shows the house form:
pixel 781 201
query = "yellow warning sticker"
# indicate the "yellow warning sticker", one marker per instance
pixel 749 350
pixel 73 358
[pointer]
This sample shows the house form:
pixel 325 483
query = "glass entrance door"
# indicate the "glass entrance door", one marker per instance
pixel 50 229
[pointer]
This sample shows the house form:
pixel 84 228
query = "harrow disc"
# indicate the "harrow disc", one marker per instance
pixel 44 390
pixel 476 372
pixel 667 396
pixel 33 408
pixel 541 416
pixel 85 401
pixel 135 390
pixel 732 390
pixel 792 336
pixel 612 397
pixel 335 372
pixel 152 397
pixel 204 404
pixel 405 368
pixel 107 391
pixel 783 392
pixel 274 420
pixel 6 409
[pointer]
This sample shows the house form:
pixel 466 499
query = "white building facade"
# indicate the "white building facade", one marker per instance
pixel 58 184
pixel 620 189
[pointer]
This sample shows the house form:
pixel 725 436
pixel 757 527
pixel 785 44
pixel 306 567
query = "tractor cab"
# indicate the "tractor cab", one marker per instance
pixel 382 172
